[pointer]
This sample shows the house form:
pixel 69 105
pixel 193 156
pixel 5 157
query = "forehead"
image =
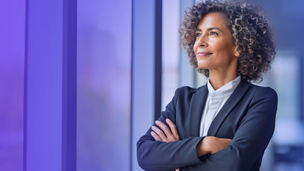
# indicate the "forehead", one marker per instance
pixel 214 19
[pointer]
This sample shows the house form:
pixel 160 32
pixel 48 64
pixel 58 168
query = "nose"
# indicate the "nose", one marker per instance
pixel 202 41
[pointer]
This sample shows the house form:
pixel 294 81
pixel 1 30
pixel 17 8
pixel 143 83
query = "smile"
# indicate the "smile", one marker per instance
pixel 203 54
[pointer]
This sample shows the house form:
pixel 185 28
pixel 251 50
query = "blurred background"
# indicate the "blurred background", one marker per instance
pixel 81 81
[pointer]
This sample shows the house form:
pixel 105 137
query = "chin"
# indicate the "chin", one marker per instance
pixel 202 66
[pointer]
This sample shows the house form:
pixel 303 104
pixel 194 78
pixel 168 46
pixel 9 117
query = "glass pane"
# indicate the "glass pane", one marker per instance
pixel 288 138
pixel 104 85
pixel 170 50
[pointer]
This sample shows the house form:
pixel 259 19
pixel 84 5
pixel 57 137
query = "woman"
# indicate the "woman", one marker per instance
pixel 227 123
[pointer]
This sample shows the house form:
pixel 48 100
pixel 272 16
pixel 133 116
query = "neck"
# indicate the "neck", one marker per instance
pixel 219 79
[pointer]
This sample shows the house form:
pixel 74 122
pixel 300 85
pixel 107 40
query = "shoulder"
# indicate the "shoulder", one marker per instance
pixel 260 93
pixel 188 91
pixel 185 90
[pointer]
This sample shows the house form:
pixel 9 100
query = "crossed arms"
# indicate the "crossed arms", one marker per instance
pixel 162 149
pixel 208 145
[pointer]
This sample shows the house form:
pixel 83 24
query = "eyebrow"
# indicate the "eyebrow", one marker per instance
pixel 211 28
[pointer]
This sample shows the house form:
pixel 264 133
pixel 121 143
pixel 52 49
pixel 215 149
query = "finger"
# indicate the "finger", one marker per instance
pixel 173 128
pixel 225 140
pixel 155 136
pixel 165 129
pixel 159 133
pixel 228 141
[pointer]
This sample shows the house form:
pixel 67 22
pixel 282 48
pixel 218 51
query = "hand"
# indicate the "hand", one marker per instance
pixel 163 133
pixel 211 145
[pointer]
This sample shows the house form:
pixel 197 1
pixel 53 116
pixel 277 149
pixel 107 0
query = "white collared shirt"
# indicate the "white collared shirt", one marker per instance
pixel 215 101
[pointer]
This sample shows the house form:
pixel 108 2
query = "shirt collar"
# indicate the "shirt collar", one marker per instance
pixel 226 89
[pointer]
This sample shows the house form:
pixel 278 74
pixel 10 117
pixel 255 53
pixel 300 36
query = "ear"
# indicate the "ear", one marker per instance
pixel 236 51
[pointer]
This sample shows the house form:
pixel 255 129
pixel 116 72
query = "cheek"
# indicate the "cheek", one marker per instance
pixel 217 44
pixel 223 47
pixel 195 47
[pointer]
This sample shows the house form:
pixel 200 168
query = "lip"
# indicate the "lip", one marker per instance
pixel 202 54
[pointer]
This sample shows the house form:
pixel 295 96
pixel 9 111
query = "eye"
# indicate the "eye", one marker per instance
pixel 213 33
pixel 197 34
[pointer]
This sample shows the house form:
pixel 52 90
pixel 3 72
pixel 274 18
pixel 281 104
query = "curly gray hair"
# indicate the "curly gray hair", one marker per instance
pixel 250 32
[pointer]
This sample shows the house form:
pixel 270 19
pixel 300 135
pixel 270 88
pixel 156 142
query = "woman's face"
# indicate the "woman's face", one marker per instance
pixel 213 46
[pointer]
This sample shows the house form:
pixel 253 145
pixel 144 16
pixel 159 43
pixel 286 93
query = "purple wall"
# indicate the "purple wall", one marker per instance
pixel 103 103
pixel 12 35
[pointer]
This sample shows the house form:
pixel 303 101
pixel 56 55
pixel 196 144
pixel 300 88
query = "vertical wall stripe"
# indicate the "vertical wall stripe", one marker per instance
pixel 131 94
pixel 158 58
pixel 143 66
pixel 43 85
pixel 25 88
pixel 69 85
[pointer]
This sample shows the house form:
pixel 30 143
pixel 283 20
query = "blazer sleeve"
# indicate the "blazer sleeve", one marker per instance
pixel 250 139
pixel 155 155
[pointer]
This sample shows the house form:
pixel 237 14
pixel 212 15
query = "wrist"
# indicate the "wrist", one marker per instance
pixel 201 148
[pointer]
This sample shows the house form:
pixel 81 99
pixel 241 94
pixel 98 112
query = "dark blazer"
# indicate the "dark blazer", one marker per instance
pixel 247 117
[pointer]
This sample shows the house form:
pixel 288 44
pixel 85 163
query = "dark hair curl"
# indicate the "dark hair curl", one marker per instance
pixel 250 32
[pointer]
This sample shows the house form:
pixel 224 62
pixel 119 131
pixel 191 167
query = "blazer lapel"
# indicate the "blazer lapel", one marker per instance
pixel 235 97
pixel 196 110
